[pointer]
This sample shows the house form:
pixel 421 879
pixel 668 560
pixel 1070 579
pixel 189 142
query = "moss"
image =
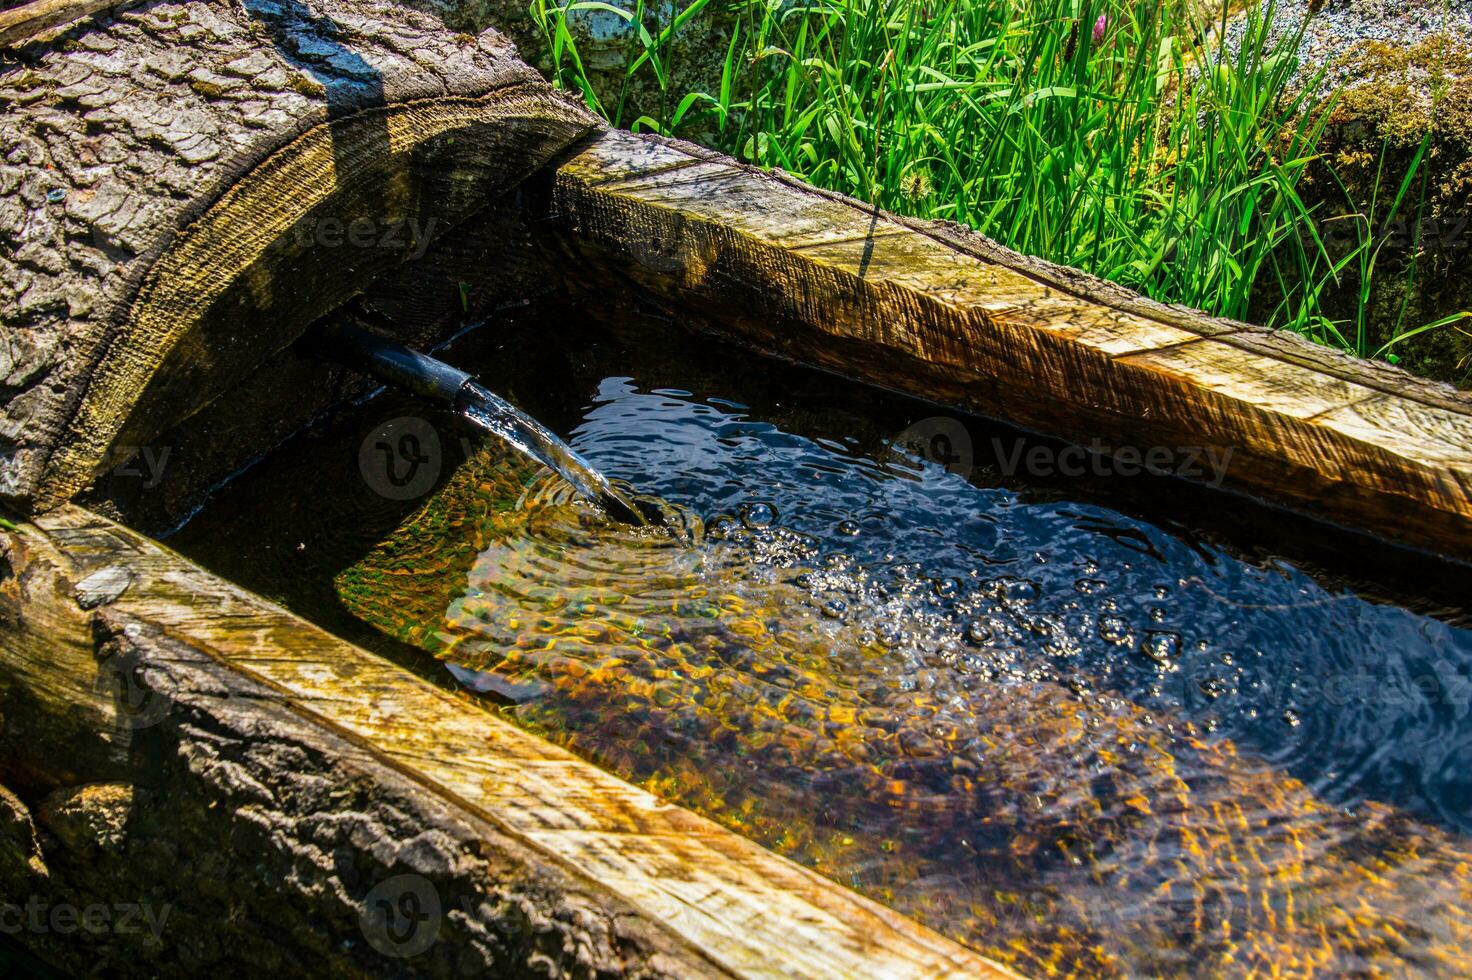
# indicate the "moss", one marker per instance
pixel 306 85
pixel 1402 93
pixel 208 89
pixel 26 82
pixel 1399 96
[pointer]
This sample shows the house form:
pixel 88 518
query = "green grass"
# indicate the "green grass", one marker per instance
pixel 1133 152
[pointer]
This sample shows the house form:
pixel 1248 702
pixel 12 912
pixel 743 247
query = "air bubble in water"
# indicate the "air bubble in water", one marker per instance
pixel 1114 629
pixel 1160 646
pixel 758 515
pixel 721 527
pixel 1021 589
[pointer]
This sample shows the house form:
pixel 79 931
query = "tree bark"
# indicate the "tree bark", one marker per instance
pixel 25 21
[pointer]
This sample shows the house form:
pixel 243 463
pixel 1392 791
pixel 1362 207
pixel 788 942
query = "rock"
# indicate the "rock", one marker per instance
pixel 1400 73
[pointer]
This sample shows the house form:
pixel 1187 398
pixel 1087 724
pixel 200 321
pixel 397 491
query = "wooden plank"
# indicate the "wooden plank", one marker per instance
pixel 722 191
pixel 1433 432
pixel 937 312
pixel 748 911
pixel 166 778
pixel 1274 386
pixel 603 161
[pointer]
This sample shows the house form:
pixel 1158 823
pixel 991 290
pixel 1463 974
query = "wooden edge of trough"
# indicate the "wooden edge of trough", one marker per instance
pixel 318 771
pixel 939 312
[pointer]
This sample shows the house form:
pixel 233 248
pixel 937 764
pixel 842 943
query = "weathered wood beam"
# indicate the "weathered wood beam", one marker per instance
pixel 936 311
pixel 317 771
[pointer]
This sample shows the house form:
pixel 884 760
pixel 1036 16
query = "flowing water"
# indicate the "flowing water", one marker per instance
pixel 499 417
pixel 1078 724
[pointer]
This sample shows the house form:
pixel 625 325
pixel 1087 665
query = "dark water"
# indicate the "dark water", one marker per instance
pixel 1101 724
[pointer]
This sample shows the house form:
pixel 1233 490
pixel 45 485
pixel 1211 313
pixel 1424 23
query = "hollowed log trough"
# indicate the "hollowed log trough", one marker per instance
pixel 186 189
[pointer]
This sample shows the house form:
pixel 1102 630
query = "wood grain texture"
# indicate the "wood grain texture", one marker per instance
pixel 723 903
pixel 938 312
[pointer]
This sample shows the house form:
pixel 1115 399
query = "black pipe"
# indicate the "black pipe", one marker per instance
pixel 403 367
pixel 390 361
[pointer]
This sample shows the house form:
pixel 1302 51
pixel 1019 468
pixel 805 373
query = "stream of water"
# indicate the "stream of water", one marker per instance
pixel 505 421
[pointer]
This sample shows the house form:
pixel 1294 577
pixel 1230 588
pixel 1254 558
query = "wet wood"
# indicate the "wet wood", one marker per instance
pixel 206 658
pixel 939 312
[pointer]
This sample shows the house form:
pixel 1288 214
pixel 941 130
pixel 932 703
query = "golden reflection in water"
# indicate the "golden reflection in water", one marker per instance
pixel 1052 830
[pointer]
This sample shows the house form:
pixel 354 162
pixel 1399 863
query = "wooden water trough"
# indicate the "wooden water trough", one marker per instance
pixel 186 188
